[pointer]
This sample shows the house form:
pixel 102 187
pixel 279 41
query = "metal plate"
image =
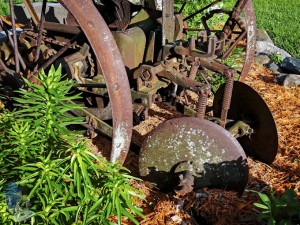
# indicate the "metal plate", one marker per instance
pixel 210 152
pixel 248 106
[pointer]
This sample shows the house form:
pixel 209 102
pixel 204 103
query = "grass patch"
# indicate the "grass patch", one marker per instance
pixel 4 6
pixel 281 20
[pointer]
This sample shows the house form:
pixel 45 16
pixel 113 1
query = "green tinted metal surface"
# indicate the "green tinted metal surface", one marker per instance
pixel 211 153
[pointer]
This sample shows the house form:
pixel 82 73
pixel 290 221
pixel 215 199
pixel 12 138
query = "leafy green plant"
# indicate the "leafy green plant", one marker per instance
pixel 235 59
pixel 284 210
pixel 60 180
pixel 276 58
pixel 215 80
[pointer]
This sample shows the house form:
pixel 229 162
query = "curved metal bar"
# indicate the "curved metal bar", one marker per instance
pixel 251 38
pixel 108 55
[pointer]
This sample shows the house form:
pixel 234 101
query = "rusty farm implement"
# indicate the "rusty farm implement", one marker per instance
pixel 126 55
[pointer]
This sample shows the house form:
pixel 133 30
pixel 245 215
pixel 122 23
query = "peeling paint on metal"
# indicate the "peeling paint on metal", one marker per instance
pixel 119 141
pixel 251 32
pixel 158 4
pixel 137 2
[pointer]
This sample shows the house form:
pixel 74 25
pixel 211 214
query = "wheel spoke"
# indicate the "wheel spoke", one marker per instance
pixel 40 33
pixel 183 6
pixel 12 13
pixel 201 10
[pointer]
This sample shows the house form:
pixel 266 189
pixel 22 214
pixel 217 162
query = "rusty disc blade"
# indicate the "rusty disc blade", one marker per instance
pixel 208 151
pixel 248 106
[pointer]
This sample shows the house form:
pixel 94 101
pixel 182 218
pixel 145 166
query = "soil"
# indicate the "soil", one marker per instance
pixel 213 206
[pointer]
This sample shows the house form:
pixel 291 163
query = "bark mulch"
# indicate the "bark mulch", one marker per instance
pixel 219 207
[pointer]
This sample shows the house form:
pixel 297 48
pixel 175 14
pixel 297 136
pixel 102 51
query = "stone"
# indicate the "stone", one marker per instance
pixel 3 34
pixel 176 219
pixel 291 64
pixel 274 68
pixel 54 12
pixel 262 35
pixel 262 59
pixel 292 80
pixel 263 47
pixel 280 78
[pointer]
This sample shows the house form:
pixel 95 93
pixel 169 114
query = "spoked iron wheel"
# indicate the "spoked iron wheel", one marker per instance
pixel 40 55
pixel 227 30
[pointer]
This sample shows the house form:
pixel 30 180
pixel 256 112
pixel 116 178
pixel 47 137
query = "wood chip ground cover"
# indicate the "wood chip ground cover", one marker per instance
pixel 212 206
pixel 218 207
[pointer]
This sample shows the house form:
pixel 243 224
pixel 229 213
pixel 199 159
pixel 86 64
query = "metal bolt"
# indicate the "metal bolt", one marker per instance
pixel 90 24
pixel 116 86
pixel 146 75
pixel 149 85
pixel 144 101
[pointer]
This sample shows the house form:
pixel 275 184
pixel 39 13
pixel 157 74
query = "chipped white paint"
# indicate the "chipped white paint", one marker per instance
pixel 251 32
pixel 137 2
pixel 158 4
pixel 120 139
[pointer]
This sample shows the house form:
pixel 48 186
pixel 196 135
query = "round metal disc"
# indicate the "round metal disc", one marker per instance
pixel 248 106
pixel 208 151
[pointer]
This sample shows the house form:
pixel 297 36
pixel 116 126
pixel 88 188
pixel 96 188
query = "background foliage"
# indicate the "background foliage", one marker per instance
pixel 280 19
pixel 282 210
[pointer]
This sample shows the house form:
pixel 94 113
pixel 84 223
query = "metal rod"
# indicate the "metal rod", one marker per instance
pixel 182 7
pixel 91 85
pixel 12 13
pixel 200 10
pixel 212 30
pixel 194 70
pixel 230 49
pixel 32 12
pixel 41 27
pixel 5 68
pixel 62 28
pixel 4 28
pixel 60 52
